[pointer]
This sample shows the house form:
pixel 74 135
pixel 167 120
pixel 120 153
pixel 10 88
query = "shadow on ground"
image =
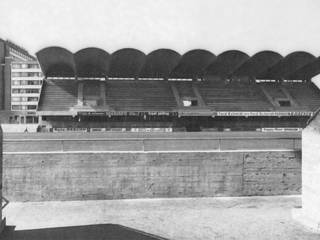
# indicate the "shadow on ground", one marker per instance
pixel 92 232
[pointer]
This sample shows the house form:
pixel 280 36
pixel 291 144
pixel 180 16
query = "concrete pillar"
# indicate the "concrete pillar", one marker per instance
pixel 176 95
pixel 103 92
pixel 198 95
pixel 80 93
pixel 309 215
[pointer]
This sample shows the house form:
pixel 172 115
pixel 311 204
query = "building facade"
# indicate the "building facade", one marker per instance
pixel 20 84
pixel 26 82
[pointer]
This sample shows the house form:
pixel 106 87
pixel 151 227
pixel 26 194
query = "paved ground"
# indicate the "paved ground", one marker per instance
pixel 175 219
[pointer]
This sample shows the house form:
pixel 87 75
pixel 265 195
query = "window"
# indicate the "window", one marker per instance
pixel 32 107
pixel 194 103
pixel 32 99
pixel 284 103
pixel 190 103
pixel 34 82
pixel 16 107
pixel 33 66
pixel 31 119
pixel 33 74
pixel 32 91
pixel 15 74
pixel 16 65
pixel 15 99
pixel 15 91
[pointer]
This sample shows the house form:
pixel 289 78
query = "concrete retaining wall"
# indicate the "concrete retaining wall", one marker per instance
pixel 76 169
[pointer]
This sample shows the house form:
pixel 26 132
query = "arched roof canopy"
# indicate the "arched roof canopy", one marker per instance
pixel 193 64
pixel 307 72
pixel 288 65
pixel 126 63
pixel 160 63
pixel 226 63
pixel 258 64
pixel 92 62
pixel 56 62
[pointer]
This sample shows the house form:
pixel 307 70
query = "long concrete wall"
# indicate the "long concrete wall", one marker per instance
pixel 110 166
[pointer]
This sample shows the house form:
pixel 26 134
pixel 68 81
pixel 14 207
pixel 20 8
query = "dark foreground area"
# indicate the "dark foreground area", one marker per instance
pixel 92 232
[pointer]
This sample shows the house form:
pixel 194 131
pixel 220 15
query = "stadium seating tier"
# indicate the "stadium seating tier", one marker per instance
pixel 158 96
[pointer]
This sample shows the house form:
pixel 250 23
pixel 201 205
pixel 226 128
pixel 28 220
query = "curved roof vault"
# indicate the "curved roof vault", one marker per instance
pixel 307 72
pixel 160 63
pixel 226 63
pixel 56 62
pixel 258 64
pixel 92 62
pixel 126 63
pixel 288 65
pixel 192 64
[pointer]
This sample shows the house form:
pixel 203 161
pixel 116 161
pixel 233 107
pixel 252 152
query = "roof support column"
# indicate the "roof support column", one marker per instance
pixel 288 96
pixel 80 93
pixel 176 95
pixel 103 93
pixel 268 96
pixel 198 95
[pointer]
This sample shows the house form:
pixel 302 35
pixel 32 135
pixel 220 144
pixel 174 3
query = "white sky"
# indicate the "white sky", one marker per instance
pixel 247 25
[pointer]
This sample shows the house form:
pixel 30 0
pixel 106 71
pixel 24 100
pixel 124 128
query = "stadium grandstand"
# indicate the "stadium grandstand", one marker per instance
pixel 92 90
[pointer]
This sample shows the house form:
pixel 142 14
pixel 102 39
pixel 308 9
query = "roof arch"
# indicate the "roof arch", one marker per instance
pixel 92 62
pixel 56 62
pixel 160 63
pixel 288 65
pixel 258 64
pixel 226 63
pixel 193 64
pixel 126 63
pixel 307 72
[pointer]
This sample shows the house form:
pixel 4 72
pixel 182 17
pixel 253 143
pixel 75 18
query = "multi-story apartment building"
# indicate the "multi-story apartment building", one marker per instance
pixel 26 82
pixel 20 84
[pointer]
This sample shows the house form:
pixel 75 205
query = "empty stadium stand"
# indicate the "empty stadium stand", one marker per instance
pixel 58 95
pixel 234 97
pixel 195 91
pixel 139 96
pixel 185 89
pixel 305 94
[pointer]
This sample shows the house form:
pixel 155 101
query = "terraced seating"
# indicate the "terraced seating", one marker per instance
pixel 58 95
pixel 306 95
pixel 234 97
pixel 157 96
pixel 124 95
pixel 274 90
pixel 184 89
pixel 91 88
